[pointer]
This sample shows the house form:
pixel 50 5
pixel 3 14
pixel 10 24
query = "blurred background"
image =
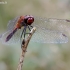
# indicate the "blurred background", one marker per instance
pixel 38 56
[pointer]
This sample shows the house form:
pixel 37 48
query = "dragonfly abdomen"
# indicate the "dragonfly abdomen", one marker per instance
pixel 10 35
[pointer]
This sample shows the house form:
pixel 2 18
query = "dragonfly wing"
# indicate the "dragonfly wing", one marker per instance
pixel 52 24
pixel 12 23
pixel 51 30
pixel 14 40
pixel 47 36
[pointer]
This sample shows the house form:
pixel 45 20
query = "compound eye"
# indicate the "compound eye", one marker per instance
pixel 30 20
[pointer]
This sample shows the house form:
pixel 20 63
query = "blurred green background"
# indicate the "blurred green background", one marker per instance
pixel 38 56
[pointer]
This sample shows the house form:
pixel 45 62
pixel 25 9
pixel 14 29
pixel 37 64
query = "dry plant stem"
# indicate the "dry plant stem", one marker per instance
pixel 24 47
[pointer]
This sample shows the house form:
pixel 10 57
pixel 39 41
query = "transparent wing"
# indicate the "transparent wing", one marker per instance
pixel 12 23
pixel 52 24
pixel 51 30
pixel 10 27
pixel 48 31
pixel 47 36
pixel 14 40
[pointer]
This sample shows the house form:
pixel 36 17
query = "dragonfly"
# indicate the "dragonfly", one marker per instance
pixel 48 30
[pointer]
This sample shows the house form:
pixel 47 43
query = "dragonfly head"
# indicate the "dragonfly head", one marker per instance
pixel 28 19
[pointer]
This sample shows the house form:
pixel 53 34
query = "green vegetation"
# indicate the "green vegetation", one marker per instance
pixel 38 56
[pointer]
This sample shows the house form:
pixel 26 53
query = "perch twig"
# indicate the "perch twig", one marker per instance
pixel 24 47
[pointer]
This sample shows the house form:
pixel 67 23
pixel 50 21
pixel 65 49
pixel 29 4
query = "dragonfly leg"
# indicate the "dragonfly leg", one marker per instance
pixel 24 31
pixel 30 27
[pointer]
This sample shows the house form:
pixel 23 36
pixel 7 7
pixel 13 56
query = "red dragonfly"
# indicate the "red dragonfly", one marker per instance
pixel 49 30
